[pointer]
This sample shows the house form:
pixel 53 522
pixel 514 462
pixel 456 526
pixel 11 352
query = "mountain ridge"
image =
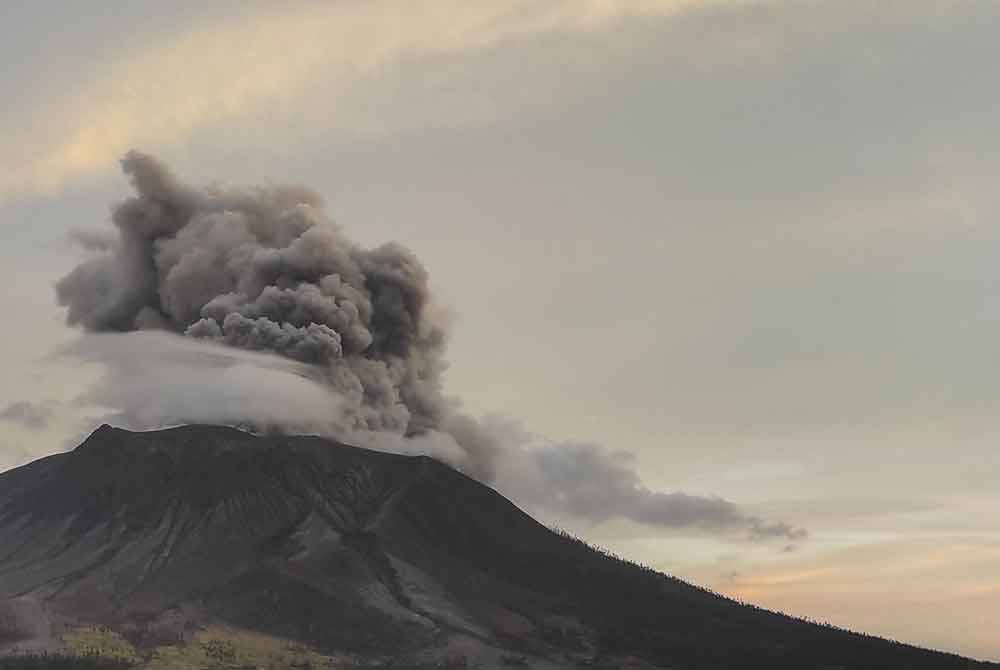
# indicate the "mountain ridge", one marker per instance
pixel 380 558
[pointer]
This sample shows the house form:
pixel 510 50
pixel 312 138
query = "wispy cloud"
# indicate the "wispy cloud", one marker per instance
pixel 30 415
pixel 211 73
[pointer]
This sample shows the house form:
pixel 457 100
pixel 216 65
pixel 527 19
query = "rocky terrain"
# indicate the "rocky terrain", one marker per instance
pixel 205 546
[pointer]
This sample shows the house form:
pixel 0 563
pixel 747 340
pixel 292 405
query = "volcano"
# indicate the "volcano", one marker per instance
pixel 206 546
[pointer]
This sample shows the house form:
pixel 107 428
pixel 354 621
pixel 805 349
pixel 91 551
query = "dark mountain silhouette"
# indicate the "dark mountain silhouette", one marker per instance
pixel 200 540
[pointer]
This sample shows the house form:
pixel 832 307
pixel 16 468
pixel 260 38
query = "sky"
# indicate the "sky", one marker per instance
pixel 753 244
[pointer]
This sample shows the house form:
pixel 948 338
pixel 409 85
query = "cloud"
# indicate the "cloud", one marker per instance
pixel 28 414
pixel 156 379
pixel 214 72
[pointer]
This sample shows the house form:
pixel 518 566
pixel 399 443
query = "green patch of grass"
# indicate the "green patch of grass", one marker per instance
pixel 100 642
pixel 222 648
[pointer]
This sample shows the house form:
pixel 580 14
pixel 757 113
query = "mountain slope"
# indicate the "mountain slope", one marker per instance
pixel 357 555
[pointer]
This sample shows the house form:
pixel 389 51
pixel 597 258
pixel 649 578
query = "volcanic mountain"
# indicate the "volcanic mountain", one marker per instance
pixel 205 546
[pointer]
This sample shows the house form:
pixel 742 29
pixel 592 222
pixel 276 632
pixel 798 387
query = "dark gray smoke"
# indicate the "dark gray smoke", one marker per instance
pixel 345 340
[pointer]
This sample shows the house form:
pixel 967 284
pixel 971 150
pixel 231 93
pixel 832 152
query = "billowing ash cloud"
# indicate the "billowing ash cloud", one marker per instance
pixel 264 269
pixel 269 317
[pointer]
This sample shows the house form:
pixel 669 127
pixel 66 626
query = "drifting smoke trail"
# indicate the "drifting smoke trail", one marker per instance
pixel 347 342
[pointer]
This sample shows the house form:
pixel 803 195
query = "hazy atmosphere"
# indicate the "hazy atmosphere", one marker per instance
pixel 711 284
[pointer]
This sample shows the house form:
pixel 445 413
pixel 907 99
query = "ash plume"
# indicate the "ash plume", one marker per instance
pixel 264 269
pixel 267 316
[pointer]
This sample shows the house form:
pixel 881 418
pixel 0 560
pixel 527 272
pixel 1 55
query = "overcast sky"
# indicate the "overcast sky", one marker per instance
pixel 755 242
